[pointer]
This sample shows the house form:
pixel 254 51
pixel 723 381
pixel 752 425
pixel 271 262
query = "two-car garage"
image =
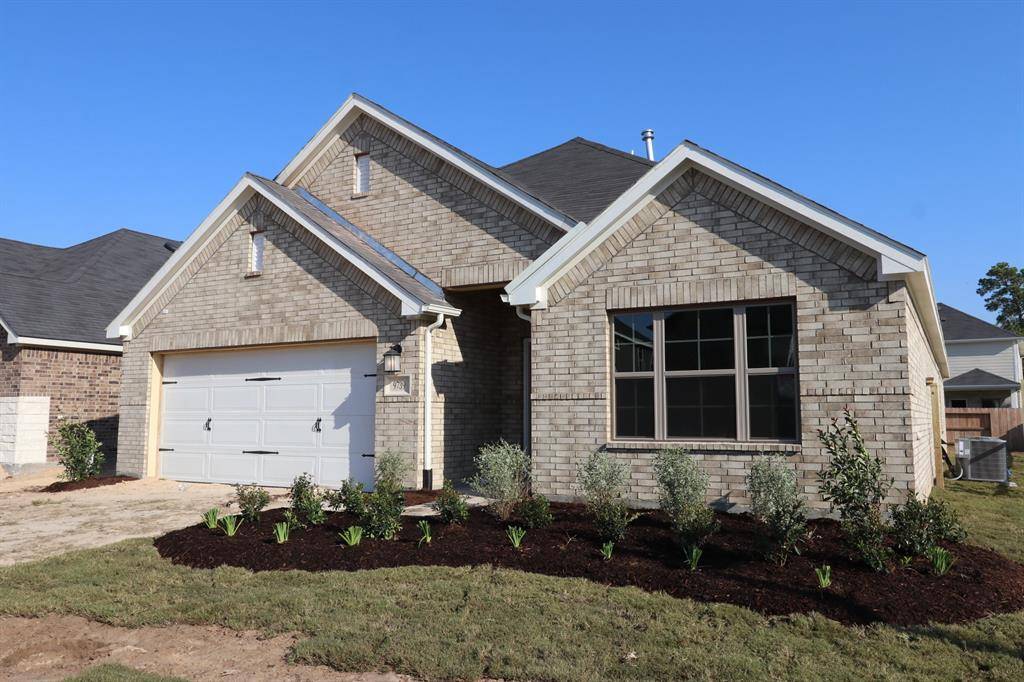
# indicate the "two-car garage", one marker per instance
pixel 268 415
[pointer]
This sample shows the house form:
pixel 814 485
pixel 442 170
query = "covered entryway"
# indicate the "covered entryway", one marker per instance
pixel 268 415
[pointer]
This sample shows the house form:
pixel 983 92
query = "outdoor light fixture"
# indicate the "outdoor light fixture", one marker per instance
pixel 393 359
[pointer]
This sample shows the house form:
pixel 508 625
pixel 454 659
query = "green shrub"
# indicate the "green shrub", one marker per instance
pixel 307 500
pixel 352 535
pixel 251 500
pixel 853 485
pixel 682 489
pixel 601 480
pixel 775 501
pixel 941 560
pixel 350 497
pixel 535 512
pixel 516 535
pixel 282 530
pixel 426 536
pixel 231 524
pixel 450 505
pixel 382 515
pixel 918 525
pixel 293 520
pixel 391 468
pixel 502 476
pixel 78 451
pixel 211 517
pixel 824 576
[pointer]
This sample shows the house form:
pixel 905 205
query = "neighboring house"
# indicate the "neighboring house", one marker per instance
pixel 389 291
pixel 984 362
pixel 55 358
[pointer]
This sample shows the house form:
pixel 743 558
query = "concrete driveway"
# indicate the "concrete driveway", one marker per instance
pixel 34 524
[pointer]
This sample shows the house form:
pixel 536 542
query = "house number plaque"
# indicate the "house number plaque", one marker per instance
pixel 397 385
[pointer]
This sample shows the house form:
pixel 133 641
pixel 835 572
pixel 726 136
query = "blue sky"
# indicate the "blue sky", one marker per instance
pixel 906 116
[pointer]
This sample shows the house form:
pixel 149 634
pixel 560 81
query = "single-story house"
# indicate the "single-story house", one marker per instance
pixel 387 290
pixel 55 358
pixel 984 362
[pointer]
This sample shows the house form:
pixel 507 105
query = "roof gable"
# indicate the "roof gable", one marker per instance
pixel 357 105
pixel 978 378
pixel 416 295
pixel 959 326
pixel 579 177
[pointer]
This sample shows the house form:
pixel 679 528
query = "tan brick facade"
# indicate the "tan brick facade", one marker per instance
pixel 82 386
pixel 701 242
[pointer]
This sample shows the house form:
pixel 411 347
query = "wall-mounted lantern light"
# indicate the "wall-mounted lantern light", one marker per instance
pixel 393 359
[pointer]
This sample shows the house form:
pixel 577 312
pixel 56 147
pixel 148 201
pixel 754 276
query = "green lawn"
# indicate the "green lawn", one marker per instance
pixel 465 623
pixel 118 673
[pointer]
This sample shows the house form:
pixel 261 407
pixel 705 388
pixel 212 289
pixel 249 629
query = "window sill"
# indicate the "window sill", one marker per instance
pixel 705 446
pixel 251 275
pixel 360 195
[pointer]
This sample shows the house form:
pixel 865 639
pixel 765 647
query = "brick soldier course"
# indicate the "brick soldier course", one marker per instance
pixel 864 341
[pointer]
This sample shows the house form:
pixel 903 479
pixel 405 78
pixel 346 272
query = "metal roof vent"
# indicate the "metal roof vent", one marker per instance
pixel 648 137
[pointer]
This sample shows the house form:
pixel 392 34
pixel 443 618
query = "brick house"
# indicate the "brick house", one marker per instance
pixel 55 358
pixel 387 290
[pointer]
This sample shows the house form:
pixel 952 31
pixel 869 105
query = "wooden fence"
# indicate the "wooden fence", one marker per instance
pixel 1001 422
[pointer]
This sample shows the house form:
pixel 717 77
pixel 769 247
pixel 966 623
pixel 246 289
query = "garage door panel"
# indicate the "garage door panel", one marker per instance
pixel 243 432
pixel 236 398
pixel 343 398
pixel 333 470
pixel 283 432
pixel 352 433
pixel 282 469
pixel 233 468
pixel 186 399
pixel 292 397
pixel 183 466
pixel 187 430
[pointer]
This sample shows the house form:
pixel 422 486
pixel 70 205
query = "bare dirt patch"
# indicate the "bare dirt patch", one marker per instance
pixel 732 570
pixel 54 647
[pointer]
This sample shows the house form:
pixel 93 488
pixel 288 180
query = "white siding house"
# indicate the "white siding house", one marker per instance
pixel 984 362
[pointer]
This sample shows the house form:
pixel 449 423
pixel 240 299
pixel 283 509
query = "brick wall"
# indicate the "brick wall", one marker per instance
pixel 702 242
pixel 10 368
pixel 451 227
pixel 922 367
pixel 306 293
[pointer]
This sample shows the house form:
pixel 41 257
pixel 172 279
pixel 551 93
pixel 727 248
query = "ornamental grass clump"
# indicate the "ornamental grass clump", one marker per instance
pixel 775 501
pixel 450 505
pixel 78 451
pixel 502 476
pixel 682 491
pixel 854 486
pixel 231 524
pixel 601 479
pixel 211 517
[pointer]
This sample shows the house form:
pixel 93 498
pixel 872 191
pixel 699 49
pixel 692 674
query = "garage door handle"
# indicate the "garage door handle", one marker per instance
pixel 259 452
pixel 316 424
pixel 367 454
pixel 206 426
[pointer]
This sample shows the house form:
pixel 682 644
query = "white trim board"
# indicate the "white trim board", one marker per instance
pixel 121 326
pixel 15 340
pixel 895 260
pixel 357 104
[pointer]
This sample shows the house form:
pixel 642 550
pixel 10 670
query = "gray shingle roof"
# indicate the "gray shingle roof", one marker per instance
pixel 379 257
pixel 71 294
pixel 959 326
pixel 579 177
pixel 979 377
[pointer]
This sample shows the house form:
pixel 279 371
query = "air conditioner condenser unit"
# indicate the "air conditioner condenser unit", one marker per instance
pixel 983 459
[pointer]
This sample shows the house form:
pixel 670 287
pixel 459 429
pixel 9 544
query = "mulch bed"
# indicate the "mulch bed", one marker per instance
pixel 731 570
pixel 94 482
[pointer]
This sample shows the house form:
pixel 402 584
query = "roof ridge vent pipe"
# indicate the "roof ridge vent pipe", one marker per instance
pixel 648 137
pixel 428 403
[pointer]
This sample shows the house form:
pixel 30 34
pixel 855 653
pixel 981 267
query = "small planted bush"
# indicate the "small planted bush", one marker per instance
pixel 211 517
pixel 775 501
pixel 352 535
pixel 451 506
pixel 606 550
pixel 516 535
pixel 231 524
pixel 351 497
pixel 426 536
pixel 502 476
pixel 941 560
pixel 292 519
pixel 535 512
pixel 919 525
pixel 601 479
pixel 382 516
pixel 282 530
pixel 682 489
pixel 251 500
pixel 78 451
pixel 854 486
pixel 307 500
pixel 824 575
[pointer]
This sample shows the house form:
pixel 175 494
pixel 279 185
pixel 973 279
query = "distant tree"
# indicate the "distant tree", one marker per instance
pixel 1002 287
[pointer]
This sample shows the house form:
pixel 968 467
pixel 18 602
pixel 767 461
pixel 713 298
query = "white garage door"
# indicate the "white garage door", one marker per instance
pixel 266 416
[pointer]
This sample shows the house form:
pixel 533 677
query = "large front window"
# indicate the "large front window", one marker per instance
pixel 722 373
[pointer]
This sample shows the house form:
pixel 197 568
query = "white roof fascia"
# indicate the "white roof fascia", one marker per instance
pixel 1005 339
pixel 69 345
pixel 356 105
pixel 982 387
pixel 121 326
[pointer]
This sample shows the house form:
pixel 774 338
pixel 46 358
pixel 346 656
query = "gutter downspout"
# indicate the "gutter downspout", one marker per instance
pixel 428 401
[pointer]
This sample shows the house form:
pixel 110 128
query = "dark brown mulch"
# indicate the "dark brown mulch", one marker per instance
pixel 732 569
pixel 94 482
pixel 420 496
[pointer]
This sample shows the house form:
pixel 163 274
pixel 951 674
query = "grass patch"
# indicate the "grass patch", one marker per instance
pixel 113 672
pixel 442 623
